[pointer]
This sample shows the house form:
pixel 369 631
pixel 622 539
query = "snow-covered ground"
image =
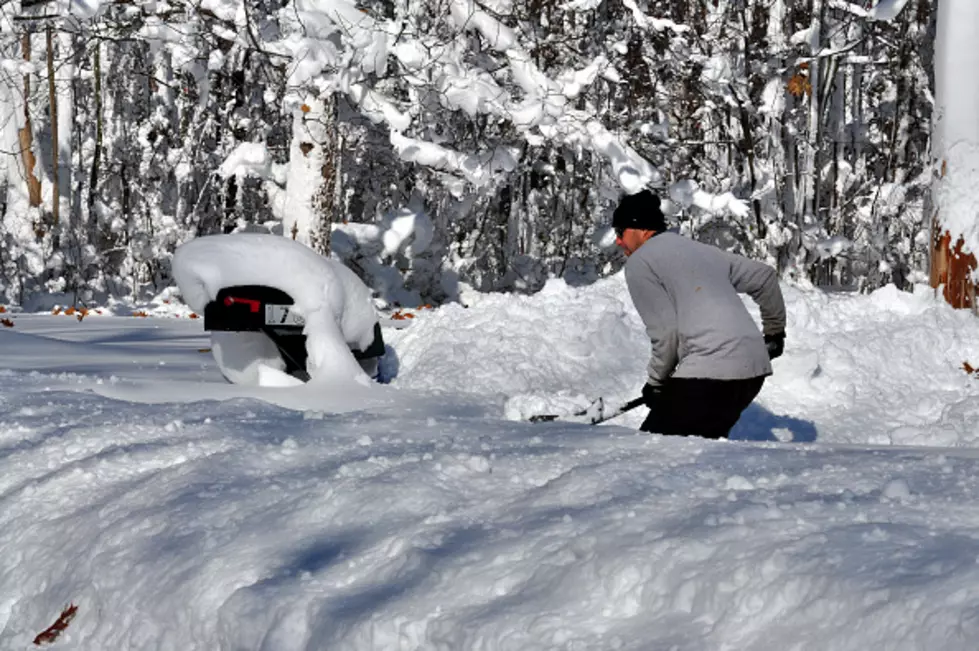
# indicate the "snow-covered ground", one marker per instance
pixel 177 511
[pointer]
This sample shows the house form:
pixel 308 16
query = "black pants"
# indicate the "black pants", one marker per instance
pixel 700 407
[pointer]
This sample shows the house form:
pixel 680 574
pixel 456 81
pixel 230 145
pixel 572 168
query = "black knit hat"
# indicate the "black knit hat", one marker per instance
pixel 640 210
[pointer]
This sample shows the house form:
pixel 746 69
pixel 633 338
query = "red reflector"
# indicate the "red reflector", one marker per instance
pixel 253 305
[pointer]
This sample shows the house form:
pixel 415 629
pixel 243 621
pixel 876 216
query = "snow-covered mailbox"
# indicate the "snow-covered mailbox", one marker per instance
pixel 278 312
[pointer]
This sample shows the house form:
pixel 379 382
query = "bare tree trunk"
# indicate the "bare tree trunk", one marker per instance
pixel 26 134
pixel 55 144
pixel 97 153
pixel 812 159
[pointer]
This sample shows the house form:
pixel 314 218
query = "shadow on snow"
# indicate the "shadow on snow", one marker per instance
pixel 759 424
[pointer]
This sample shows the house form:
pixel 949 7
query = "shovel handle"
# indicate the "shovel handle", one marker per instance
pixel 629 406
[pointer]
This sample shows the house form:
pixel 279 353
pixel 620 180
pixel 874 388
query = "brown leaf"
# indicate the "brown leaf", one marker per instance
pixel 51 633
pixel 193 315
pixel 799 85
pixel 7 323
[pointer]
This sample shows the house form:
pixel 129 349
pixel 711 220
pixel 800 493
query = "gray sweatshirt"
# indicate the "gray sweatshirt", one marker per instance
pixel 687 295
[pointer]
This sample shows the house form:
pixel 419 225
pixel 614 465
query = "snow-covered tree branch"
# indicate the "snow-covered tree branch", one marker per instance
pixel 507 129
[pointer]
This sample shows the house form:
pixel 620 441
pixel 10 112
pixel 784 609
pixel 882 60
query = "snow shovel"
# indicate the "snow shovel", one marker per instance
pixel 595 413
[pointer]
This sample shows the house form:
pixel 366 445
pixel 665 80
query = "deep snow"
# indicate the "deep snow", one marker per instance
pixel 181 512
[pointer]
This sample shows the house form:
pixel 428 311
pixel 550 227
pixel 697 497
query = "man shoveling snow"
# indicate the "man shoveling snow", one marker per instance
pixel 708 360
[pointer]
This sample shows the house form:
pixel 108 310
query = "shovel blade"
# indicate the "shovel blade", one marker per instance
pixel 591 414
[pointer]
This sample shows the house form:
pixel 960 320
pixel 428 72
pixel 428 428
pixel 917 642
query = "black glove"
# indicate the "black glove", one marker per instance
pixel 651 394
pixel 775 344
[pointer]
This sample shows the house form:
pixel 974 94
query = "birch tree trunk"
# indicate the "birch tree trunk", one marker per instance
pixel 955 226
pixel 310 194
pixel 55 148
pixel 811 159
pixel 65 77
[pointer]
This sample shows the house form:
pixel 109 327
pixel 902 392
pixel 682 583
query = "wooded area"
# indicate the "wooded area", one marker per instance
pixel 116 124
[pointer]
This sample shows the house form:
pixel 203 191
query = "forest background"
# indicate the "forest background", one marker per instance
pixel 434 144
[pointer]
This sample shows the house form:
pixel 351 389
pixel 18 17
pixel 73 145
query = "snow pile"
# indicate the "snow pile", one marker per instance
pixel 335 303
pixel 884 368
pixel 545 353
pixel 422 521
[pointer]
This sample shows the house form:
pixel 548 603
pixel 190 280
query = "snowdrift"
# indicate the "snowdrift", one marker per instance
pixel 207 518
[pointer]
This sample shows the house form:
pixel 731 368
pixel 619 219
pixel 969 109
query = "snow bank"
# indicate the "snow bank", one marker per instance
pixel 236 525
pixel 885 368
pixel 529 354
pixel 335 303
